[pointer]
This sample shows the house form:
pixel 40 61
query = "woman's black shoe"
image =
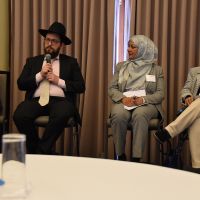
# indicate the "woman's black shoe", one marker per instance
pixel 135 159
pixel 162 135
pixel 121 157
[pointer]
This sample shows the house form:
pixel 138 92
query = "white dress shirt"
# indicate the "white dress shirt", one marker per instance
pixel 55 90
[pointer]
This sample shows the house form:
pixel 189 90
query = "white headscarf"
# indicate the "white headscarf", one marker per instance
pixel 147 50
pixel 147 54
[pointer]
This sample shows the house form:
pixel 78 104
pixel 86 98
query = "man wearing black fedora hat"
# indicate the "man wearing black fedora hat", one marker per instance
pixel 51 82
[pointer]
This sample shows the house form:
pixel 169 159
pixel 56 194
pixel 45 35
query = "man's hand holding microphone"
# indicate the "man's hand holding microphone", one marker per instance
pixel 47 71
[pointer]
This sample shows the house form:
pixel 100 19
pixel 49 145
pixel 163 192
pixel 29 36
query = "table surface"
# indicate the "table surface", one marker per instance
pixel 73 178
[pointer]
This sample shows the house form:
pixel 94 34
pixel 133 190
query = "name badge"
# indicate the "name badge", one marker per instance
pixel 150 78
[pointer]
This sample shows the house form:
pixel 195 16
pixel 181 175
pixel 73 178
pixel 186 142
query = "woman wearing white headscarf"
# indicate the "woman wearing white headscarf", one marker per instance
pixel 136 82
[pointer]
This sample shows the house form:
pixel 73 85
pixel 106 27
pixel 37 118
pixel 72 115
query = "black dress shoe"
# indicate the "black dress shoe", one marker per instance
pixel 191 169
pixel 135 159
pixel 43 151
pixel 121 157
pixel 55 153
pixel 162 135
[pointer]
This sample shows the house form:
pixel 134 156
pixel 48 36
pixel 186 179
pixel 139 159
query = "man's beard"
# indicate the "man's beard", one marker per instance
pixel 53 53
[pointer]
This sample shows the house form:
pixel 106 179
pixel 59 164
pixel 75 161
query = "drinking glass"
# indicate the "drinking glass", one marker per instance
pixel 13 174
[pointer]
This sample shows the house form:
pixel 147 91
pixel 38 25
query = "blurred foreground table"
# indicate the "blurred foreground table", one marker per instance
pixel 75 178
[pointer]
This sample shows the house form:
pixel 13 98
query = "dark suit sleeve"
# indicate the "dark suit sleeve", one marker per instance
pixel 1 107
pixel 26 80
pixel 76 83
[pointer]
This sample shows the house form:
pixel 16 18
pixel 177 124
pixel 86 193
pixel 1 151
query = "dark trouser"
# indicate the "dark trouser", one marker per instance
pixel 59 111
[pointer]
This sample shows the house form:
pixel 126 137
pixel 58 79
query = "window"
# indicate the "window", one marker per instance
pixel 121 30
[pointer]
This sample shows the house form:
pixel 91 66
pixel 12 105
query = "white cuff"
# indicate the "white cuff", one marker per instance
pixel 38 78
pixel 61 83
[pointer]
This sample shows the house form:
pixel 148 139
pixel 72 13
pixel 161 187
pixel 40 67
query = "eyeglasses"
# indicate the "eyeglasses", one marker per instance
pixel 53 41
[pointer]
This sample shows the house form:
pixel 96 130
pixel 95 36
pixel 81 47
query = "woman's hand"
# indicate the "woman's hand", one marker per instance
pixel 52 78
pixel 139 101
pixel 128 101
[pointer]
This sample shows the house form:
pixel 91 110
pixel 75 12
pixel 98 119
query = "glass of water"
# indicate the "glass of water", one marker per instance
pixel 13 166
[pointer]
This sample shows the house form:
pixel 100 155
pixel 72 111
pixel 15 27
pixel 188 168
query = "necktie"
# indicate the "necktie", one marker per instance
pixel 44 96
pixel 44 86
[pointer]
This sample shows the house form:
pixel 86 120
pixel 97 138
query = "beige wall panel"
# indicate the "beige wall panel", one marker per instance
pixel 4 35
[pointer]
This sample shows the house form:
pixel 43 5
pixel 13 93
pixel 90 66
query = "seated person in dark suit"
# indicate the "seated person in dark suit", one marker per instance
pixel 189 118
pixel 137 82
pixel 1 107
pixel 51 82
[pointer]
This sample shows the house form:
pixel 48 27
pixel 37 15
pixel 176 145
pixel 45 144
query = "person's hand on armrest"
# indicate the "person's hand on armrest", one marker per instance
pixel 188 100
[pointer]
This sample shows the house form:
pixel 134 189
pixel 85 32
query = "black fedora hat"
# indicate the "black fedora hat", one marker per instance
pixel 59 29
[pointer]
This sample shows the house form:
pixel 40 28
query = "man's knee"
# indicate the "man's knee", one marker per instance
pixel 119 117
pixel 20 116
pixel 139 116
pixel 17 117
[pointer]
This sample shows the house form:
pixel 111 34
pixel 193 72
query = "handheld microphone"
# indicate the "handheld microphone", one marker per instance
pixel 48 58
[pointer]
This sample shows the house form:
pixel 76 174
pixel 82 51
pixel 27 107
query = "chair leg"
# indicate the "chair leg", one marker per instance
pixel 162 154
pixel 131 149
pixel 149 148
pixel 77 141
pixel 115 155
pixel 4 125
pixel 1 133
pixel 106 143
pixel 62 140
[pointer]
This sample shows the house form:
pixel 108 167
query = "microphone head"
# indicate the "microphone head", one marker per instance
pixel 48 58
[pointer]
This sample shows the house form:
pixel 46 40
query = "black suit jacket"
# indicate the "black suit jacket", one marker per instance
pixel 69 71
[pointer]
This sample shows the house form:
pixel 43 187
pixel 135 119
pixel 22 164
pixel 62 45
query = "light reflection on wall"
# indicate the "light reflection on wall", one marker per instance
pixel 122 31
